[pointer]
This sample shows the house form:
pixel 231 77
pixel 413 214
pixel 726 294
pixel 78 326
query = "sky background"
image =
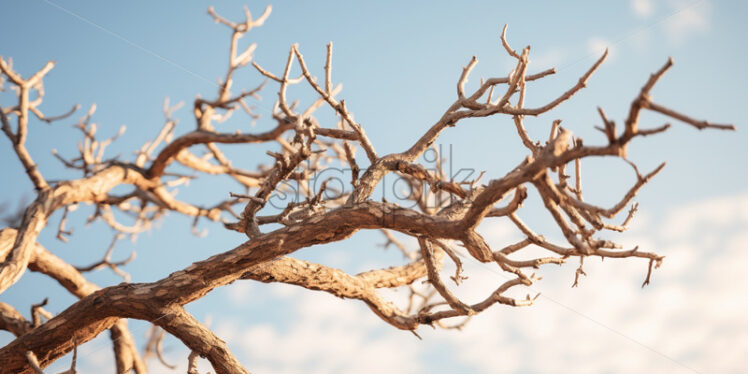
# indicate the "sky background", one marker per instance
pixel 399 63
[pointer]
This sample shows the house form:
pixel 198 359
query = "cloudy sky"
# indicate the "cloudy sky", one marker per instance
pixel 399 63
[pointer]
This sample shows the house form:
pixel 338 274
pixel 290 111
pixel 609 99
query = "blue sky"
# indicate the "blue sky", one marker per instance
pixel 399 63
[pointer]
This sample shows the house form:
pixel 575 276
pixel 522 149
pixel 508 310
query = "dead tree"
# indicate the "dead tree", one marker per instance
pixel 442 218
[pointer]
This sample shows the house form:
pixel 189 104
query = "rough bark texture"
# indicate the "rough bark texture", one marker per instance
pixel 441 215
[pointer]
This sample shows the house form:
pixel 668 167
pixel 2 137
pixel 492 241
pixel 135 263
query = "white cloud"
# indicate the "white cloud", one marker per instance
pixel 690 317
pixel 499 231
pixel 240 293
pixel 689 19
pixel 685 19
pixel 596 47
pixel 707 214
pixel 642 8
pixel 323 335
pixel 548 58
pixel 640 38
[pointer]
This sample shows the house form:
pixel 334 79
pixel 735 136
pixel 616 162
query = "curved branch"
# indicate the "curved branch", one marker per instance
pixel 13 321
pixel 43 261
pixel 167 155
pixel 200 340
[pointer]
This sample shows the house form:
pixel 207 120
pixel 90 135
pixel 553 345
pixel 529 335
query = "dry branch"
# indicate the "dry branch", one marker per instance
pixel 438 214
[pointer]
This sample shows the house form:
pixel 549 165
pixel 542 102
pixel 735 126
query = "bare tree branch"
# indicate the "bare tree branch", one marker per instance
pixel 438 214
